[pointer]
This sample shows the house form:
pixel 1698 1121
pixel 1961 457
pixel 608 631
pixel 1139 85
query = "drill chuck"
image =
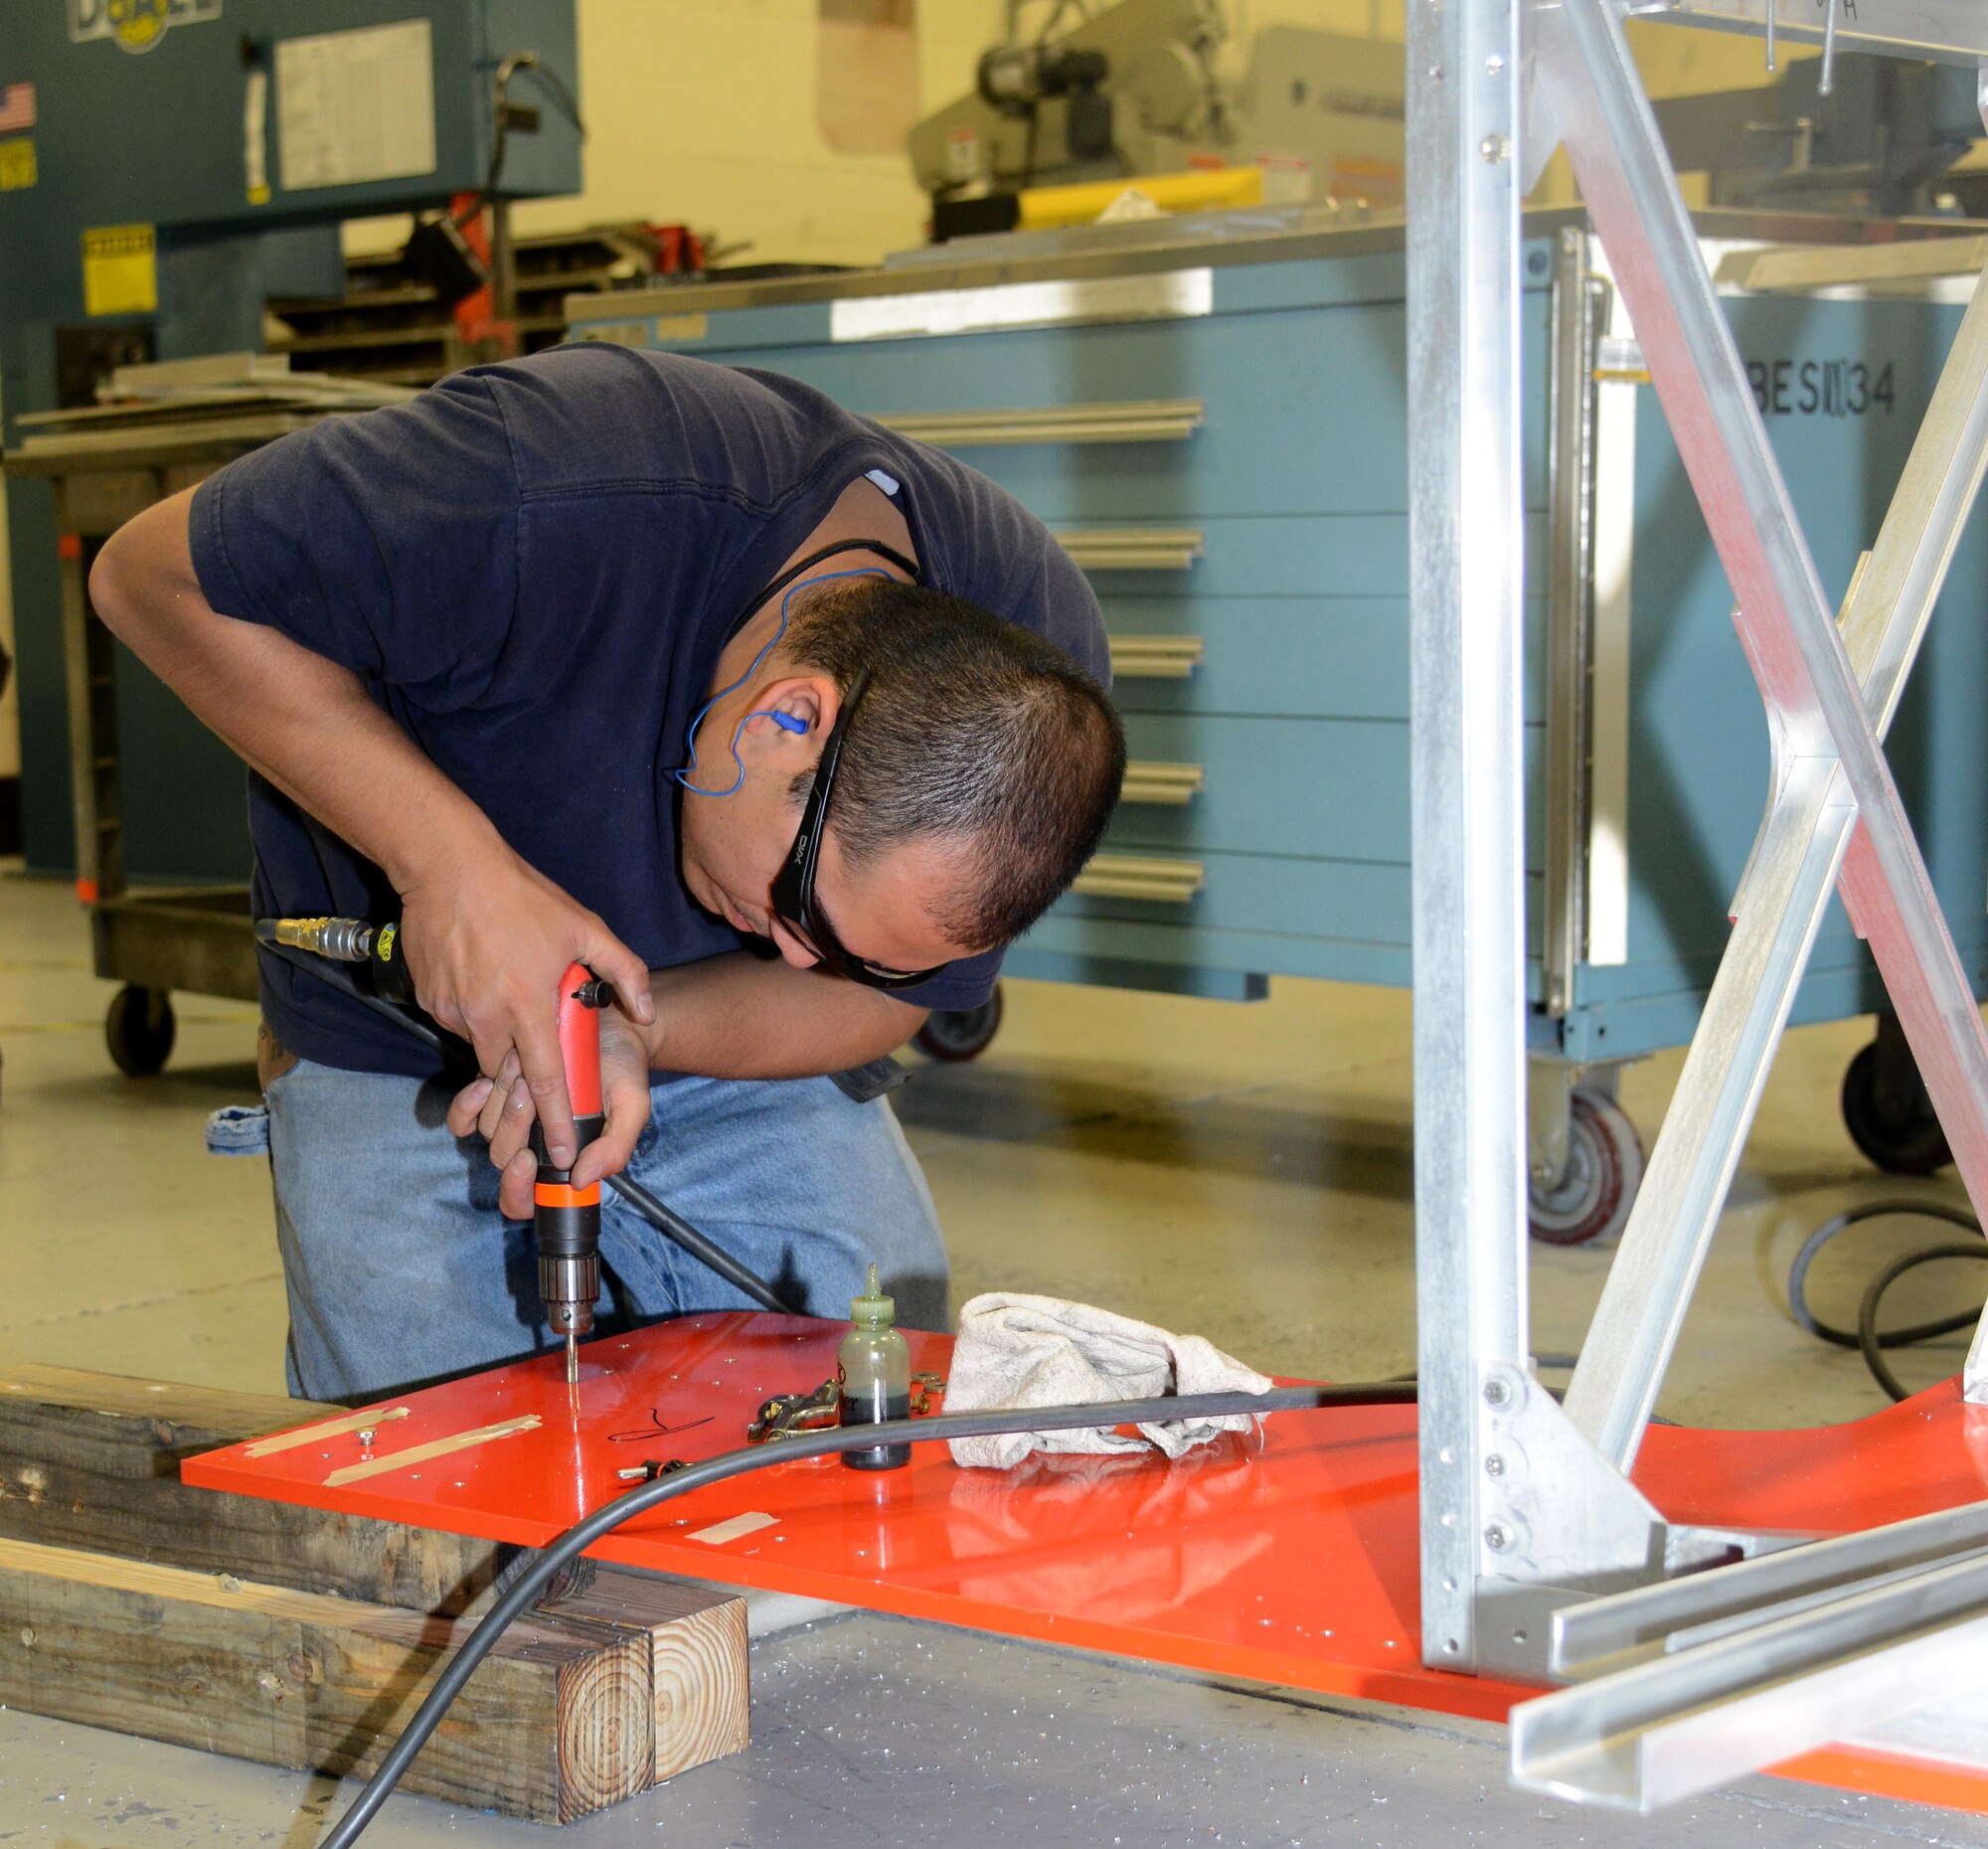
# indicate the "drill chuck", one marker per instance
pixel 567 1220
pixel 568 1288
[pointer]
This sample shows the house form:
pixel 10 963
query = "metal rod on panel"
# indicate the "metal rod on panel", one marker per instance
pixel 1466 529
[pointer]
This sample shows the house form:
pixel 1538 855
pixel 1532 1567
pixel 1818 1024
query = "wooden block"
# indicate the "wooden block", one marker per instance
pixel 91 1462
pixel 558 1722
pixel 697 1660
pixel 559 1730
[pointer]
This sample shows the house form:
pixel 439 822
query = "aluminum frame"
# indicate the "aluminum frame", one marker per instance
pixel 1827 753
pixel 1526 1506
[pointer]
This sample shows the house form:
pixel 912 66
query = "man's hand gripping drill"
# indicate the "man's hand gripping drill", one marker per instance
pixel 565 1217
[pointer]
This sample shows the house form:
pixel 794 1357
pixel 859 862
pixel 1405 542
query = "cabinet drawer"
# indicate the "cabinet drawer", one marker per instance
pixel 1307 408
pixel 1319 788
pixel 1290 556
pixel 1315 658
pixel 1339 921
pixel 1156 420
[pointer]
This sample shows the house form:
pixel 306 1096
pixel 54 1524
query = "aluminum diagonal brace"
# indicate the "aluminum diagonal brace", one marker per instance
pixel 1777 914
pixel 1790 638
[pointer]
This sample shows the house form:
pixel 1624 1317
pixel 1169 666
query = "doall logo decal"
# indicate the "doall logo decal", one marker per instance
pixel 136 25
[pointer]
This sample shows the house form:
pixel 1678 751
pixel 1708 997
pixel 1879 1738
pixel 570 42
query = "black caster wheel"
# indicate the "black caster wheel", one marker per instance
pixel 138 1030
pixel 1895 1125
pixel 953 1033
pixel 1605 1168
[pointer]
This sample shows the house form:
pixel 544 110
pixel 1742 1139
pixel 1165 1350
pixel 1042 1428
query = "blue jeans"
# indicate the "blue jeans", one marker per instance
pixel 400 1267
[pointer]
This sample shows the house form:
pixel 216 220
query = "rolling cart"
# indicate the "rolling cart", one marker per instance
pixel 105 466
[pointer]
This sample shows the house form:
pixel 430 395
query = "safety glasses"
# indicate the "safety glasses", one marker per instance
pixel 793 885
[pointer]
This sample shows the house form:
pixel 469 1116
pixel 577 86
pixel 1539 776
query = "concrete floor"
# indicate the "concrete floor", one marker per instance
pixel 875 1731
pixel 1239 1171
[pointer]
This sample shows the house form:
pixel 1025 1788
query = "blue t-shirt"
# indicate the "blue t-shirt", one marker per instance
pixel 534 567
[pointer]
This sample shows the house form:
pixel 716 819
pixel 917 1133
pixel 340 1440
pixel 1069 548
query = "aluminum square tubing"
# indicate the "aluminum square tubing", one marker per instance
pixel 1466 525
pixel 1682 1724
pixel 1585 1637
pixel 1814 703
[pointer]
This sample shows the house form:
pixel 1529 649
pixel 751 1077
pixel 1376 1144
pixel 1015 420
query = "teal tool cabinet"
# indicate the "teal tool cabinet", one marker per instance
pixel 1213 419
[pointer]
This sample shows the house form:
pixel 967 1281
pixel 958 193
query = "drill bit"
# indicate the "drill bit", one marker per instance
pixel 571 1358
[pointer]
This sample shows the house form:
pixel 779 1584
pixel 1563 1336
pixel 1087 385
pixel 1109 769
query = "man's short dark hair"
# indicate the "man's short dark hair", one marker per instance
pixel 974 729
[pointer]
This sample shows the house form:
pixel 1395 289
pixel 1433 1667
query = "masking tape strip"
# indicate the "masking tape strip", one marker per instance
pixel 738 1525
pixel 420 1453
pixel 324 1428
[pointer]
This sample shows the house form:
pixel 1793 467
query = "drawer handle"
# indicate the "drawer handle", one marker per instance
pixel 1139 876
pixel 1149 421
pixel 1173 784
pixel 1156 657
pixel 1134 549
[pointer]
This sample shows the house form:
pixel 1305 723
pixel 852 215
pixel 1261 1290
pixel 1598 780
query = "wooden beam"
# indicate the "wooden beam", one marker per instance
pixel 556 1724
pixel 91 1461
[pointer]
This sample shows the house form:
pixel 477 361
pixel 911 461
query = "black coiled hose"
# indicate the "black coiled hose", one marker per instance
pixel 1867 1337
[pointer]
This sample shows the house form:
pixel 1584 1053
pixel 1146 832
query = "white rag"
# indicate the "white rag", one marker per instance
pixel 1020 1351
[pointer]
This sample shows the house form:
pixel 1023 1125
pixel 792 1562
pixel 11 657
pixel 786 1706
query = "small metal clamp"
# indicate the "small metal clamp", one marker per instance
pixel 788 1412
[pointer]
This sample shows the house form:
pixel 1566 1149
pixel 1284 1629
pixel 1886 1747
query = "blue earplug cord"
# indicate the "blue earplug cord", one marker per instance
pixel 785 721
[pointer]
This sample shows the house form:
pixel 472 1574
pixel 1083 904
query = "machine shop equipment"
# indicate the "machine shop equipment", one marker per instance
pixel 1879 141
pixel 164 170
pixel 1161 408
pixel 1136 90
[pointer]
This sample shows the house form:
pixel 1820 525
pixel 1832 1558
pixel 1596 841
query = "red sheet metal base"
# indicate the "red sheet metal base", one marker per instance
pixel 1287 1559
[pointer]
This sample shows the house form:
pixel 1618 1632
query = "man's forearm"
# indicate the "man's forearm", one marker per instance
pixel 738 1017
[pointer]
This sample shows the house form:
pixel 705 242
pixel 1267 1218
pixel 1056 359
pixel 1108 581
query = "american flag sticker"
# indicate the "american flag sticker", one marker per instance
pixel 17 107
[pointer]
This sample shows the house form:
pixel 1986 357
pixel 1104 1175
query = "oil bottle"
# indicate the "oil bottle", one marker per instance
pixel 875 1372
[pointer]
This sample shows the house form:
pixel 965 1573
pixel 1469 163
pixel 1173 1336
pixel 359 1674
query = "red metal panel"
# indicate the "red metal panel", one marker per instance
pixel 1288 1559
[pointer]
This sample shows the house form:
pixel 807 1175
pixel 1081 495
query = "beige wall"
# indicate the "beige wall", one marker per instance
pixel 704 110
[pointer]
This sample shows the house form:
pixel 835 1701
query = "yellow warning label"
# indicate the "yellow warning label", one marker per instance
pixel 17 164
pixel 120 269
